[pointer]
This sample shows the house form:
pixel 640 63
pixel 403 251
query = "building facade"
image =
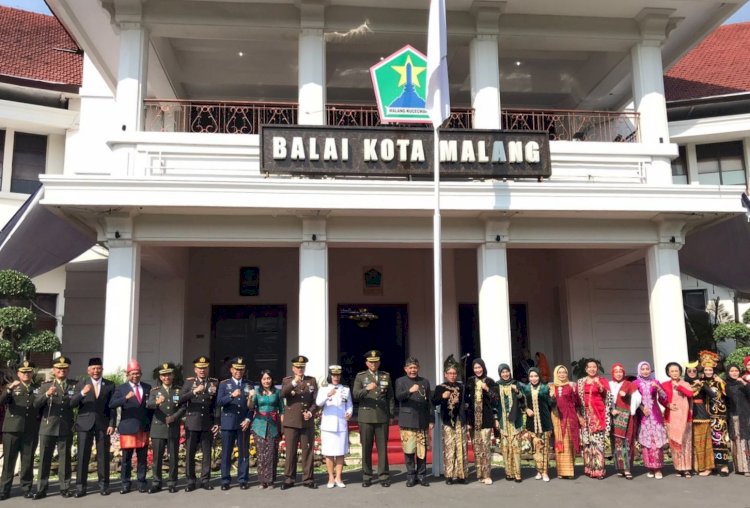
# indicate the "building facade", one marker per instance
pixel 212 253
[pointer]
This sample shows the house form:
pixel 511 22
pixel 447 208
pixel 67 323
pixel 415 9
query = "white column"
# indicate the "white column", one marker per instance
pixel 648 92
pixel 692 164
pixel 7 175
pixel 668 337
pixel 485 81
pixel 494 304
pixel 313 297
pixel 746 153
pixel 312 63
pixel 121 310
pixel 132 76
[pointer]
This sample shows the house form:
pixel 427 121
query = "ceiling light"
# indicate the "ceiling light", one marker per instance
pixel 240 53
pixel 518 63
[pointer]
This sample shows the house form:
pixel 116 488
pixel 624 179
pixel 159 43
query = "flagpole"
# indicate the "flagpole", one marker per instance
pixel 437 260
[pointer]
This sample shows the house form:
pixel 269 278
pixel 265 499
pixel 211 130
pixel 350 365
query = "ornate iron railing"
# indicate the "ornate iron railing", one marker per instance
pixel 247 117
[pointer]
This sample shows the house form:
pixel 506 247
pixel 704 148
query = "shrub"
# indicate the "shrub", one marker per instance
pixel 15 284
pixel 42 341
pixel 737 357
pixel 737 331
pixel 746 317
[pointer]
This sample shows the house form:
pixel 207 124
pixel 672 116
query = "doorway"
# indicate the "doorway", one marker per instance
pixel 255 332
pixel 362 328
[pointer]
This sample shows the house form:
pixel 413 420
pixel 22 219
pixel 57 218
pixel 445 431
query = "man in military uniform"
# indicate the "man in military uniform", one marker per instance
pixel 56 429
pixel 235 424
pixel 299 392
pixel 374 393
pixel 414 419
pixel 199 398
pixel 165 427
pixel 95 423
pixel 20 429
pixel 135 422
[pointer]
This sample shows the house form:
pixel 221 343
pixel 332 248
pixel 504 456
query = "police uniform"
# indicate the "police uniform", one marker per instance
pixel 376 408
pixel 199 423
pixel 165 430
pixel 55 430
pixel 299 397
pixel 20 432
pixel 234 414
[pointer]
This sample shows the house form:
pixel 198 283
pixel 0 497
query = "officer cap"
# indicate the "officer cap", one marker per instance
pixel 201 362
pixel 62 362
pixel 299 361
pixel 373 355
pixel 239 363
pixel 166 368
pixel 25 366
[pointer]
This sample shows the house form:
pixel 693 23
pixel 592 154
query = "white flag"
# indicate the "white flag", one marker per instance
pixel 438 95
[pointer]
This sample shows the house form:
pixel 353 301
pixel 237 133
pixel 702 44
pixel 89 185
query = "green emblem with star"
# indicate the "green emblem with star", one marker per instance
pixel 400 85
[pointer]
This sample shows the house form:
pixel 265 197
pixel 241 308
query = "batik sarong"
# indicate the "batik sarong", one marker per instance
pixel 454 451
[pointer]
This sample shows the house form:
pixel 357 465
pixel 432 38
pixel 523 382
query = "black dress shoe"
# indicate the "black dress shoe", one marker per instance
pixel 154 489
pixel 449 481
pixel 207 486
pixel 42 495
pixel 172 489
pixel 28 494
pixel 367 483
pixel 423 482
pixel 285 486
pixel 410 483
pixel 124 490
pixel 79 493
pixel 142 489
pixel 460 481
pixel 224 486
pixel 66 493
pixel 244 486
pixel 190 488
pixel 311 485
pixel 104 492
pixel 385 483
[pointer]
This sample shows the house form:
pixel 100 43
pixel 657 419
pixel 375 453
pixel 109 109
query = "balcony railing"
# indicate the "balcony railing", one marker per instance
pixel 247 117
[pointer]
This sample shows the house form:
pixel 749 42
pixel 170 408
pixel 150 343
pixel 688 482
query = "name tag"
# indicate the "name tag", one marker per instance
pixel 175 398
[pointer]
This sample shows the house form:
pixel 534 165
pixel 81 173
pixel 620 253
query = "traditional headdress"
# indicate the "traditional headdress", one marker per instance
pixel 708 359
pixel 555 375
pixel 133 365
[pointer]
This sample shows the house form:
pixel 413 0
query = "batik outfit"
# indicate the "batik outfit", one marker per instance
pixel 652 435
pixel 537 398
pixel 717 410
pixel 567 430
pixel 265 430
pixel 510 419
pixel 481 418
pixel 454 432
pixel 625 400
pixel 703 454
pixel 679 423
pixel 595 403
pixel 738 399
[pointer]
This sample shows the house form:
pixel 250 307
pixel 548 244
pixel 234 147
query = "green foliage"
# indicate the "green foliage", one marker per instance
pixel 42 341
pixel 118 377
pixel 737 358
pixel 16 285
pixel 179 376
pixel 579 367
pixel 7 353
pixel 735 331
pixel 746 317
pixel 15 321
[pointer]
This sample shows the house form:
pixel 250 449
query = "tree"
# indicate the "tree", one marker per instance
pixel 718 314
pixel 733 331
pixel 17 335
pixel 746 317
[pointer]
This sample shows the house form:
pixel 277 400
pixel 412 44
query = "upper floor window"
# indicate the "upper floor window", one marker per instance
pixel 695 299
pixel 679 167
pixel 29 161
pixel 721 163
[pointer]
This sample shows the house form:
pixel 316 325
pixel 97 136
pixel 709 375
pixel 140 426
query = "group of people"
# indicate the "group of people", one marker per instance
pixel 705 420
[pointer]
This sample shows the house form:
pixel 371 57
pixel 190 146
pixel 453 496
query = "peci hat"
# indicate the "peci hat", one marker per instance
pixel 238 363
pixel 372 355
pixel 201 362
pixel 25 367
pixel 132 366
pixel 299 361
pixel 62 362
pixel 335 369
pixel 412 360
pixel 95 362
pixel 166 368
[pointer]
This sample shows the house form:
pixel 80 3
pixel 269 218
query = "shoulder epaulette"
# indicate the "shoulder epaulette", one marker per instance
pixel 190 379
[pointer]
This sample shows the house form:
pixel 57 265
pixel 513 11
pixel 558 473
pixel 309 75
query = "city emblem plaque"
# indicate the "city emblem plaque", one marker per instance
pixel 400 85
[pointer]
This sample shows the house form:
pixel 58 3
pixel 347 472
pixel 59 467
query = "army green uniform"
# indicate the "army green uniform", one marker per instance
pixel 165 431
pixel 55 431
pixel 299 398
pixel 20 436
pixel 200 419
pixel 376 408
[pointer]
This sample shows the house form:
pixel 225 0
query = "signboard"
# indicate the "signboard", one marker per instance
pixel 400 84
pixel 393 152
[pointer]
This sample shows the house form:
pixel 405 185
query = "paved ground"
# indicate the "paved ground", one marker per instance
pixel 642 492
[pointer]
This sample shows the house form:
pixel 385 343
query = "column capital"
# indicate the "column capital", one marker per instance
pixel 313 231
pixel 670 233
pixel 487 16
pixel 496 233
pixel 117 230
pixel 655 25
pixel 124 14
pixel 312 13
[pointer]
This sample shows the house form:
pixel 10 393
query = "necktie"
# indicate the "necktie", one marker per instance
pixel 137 390
pixel 96 389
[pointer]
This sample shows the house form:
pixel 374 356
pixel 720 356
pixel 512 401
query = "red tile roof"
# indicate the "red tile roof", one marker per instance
pixel 36 50
pixel 719 65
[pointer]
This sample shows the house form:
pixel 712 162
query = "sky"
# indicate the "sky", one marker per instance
pixel 39 6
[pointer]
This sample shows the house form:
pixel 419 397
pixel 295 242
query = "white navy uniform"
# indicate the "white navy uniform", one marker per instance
pixel 334 430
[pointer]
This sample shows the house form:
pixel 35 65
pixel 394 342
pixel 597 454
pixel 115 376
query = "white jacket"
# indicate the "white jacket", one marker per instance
pixel 335 408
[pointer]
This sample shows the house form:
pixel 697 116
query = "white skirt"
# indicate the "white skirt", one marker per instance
pixel 334 444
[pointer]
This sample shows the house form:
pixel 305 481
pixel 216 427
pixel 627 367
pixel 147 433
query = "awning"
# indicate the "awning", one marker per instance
pixel 35 240
pixel 720 254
